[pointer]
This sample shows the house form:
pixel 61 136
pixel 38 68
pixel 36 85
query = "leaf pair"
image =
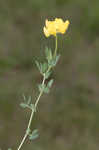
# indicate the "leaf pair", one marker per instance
pixel 48 54
pixel 27 103
pixel 33 135
pixel 45 88
pixel 42 67
pixel 52 61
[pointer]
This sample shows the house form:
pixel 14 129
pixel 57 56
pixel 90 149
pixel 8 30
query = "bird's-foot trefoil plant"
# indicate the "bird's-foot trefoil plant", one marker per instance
pixel 51 28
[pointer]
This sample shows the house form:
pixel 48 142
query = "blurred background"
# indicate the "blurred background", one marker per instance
pixel 68 117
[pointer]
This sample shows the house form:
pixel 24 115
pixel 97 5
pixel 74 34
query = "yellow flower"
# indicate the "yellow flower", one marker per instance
pixel 56 26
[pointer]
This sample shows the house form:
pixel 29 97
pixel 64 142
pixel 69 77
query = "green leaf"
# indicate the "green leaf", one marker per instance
pixel 57 58
pixel 28 131
pixel 41 67
pixel 34 135
pixel 41 87
pixel 23 105
pixel 38 65
pixel 54 61
pixel 29 100
pixel 48 53
pixel 33 107
pixel 9 149
pixel 35 131
pixel 44 67
pixel 26 103
pixel 46 90
pixel 47 74
pixel 50 83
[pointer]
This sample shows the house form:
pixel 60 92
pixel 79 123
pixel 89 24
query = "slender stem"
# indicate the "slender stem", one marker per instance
pixel 36 103
pixel 55 46
pixel 40 93
pixel 27 131
pixel 25 136
pixel 42 89
pixel 29 124
pixel 32 113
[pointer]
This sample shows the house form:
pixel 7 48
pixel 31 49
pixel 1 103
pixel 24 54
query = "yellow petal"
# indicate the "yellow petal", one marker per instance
pixel 46 32
pixel 67 23
pixel 56 26
pixel 46 23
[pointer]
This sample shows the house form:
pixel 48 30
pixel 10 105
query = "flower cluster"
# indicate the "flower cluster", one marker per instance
pixel 56 26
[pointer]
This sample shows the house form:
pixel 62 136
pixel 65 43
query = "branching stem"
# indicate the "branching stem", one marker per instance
pixel 32 113
pixel 36 103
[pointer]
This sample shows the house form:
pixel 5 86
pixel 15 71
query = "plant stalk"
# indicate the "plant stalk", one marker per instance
pixel 36 103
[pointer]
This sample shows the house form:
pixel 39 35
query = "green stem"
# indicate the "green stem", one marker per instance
pixel 32 113
pixel 55 53
pixel 27 131
pixel 40 94
pixel 36 103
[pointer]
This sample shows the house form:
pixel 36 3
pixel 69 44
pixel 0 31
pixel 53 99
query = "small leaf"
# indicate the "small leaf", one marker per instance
pixel 48 53
pixel 38 65
pixel 54 61
pixel 40 87
pixel 34 135
pixel 9 149
pixel 23 105
pixel 47 74
pixel 57 59
pixel 29 100
pixel 46 90
pixel 33 107
pixel 28 131
pixel 44 67
pixel 35 131
pixel 50 83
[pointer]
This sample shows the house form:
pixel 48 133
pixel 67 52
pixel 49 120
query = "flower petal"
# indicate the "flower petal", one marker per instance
pixel 46 32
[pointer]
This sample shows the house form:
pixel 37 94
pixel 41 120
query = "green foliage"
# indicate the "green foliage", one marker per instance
pixel 34 135
pixel 48 54
pixel 28 131
pixel 47 74
pixel 41 87
pixel 48 86
pixel 50 83
pixel 42 67
pixel 54 61
pixel 45 69
pixel 27 102
pixel 45 88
